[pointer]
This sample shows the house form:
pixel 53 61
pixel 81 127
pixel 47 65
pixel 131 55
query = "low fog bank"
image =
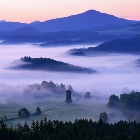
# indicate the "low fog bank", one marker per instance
pixel 29 94
pixel 116 72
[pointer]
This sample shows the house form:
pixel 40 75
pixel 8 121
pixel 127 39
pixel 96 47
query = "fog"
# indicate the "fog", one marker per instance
pixel 115 71
pixel 116 74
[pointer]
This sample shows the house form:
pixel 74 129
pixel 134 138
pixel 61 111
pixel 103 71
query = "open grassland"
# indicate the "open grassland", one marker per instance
pixel 57 109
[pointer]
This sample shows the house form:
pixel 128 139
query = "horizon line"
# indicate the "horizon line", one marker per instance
pixel 37 20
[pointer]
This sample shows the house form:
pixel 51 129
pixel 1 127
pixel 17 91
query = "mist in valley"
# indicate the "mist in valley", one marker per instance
pixel 116 74
pixel 114 71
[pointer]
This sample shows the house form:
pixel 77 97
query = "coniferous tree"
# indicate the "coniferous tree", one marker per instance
pixel 38 111
pixel 104 117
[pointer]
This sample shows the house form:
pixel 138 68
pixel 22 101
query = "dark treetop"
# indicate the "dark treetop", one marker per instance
pixel 48 64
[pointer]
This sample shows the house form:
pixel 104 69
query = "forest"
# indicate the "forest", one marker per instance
pixel 129 45
pixel 28 34
pixel 45 89
pixel 80 129
pixel 129 104
pixel 47 64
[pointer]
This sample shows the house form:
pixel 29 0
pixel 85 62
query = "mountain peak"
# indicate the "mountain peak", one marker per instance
pixel 92 11
pixel 35 22
pixel 95 13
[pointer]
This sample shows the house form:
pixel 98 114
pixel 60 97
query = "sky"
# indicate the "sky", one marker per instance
pixel 32 10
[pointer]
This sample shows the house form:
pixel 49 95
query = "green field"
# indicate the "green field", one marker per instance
pixel 57 109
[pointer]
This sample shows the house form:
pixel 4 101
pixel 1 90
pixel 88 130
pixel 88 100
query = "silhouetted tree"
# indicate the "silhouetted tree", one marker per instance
pixel 68 96
pixel 19 114
pixel 104 117
pixel 38 110
pixel 114 101
pixel 23 112
pixel 5 117
pixel 87 95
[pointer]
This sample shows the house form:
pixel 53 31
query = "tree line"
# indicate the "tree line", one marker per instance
pixel 129 104
pixel 80 129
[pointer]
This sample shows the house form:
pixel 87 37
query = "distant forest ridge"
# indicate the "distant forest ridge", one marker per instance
pixel 30 35
pixel 131 45
pixel 47 64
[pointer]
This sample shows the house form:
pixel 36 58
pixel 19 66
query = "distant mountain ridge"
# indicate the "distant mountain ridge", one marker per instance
pixel 86 20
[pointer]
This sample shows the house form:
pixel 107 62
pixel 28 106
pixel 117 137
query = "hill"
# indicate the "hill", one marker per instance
pixel 26 30
pixel 47 64
pixel 131 45
pixel 10 26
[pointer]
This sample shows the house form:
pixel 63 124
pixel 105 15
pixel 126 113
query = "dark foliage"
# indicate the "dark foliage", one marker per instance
pixel 128 103
pixel 87 95
pixel 104 117
pixel 48 64
pixel 46 89
pixel 121 45
pixel 68 96
pixel 23 112
pixel 78 54
pixel 81 129
pixel 38 111
pixel 114 101
pixel 131 45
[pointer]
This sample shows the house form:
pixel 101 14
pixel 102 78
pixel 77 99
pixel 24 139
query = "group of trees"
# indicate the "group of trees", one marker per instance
pixel 69 99
pixel 23 112
pixel 48 64
pixel 52 87
pixel 3 118
pixel 47 88
pixel 80 129
pixel 128 103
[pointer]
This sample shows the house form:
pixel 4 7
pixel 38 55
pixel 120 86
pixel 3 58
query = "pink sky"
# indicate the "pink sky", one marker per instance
pixel 31 10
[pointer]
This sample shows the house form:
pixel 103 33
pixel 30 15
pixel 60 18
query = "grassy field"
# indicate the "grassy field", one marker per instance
pixel 56 108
